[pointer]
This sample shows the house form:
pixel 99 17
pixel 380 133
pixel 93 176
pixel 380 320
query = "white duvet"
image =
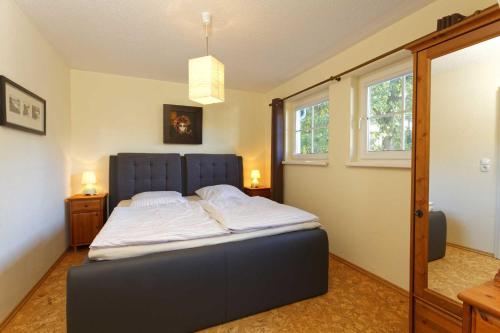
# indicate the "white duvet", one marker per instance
pixel 131 232
pixel 254 213
pixel 139 226
pixel 120 252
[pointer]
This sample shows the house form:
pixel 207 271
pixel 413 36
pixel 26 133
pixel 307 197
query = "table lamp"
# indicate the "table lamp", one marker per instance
pixel 255 175
pixel 89 180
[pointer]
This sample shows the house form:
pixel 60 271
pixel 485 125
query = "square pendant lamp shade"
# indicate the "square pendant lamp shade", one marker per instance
pixel 206 80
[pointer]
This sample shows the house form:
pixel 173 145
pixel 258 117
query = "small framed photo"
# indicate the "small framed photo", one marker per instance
pixel 182 124
pixel 21 109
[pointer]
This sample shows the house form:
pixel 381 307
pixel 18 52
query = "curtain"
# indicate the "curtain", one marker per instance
pixel 277 149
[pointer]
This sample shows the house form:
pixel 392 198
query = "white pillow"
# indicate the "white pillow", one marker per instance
pixel 156 199
pixel 220 192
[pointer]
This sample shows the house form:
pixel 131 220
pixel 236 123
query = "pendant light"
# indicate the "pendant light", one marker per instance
pixel 206 74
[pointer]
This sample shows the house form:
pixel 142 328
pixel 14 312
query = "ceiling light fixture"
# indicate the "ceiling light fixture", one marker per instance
pixel 206 74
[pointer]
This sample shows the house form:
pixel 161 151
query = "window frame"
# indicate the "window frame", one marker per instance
pixel 293 107
pixel 383 74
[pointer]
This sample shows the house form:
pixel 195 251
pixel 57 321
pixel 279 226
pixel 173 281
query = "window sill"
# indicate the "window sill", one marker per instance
pixel 306 162
pixel 394 164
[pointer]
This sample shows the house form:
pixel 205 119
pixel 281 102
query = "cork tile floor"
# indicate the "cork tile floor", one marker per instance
pixel 354 303
pixel 459 270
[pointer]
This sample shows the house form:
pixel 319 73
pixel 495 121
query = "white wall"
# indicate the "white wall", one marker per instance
pixel 366 211
pixel 113 114
pixel 34 170
pixel 464 130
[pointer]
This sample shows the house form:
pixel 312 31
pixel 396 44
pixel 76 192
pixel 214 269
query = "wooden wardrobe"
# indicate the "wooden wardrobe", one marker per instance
pixel 429 310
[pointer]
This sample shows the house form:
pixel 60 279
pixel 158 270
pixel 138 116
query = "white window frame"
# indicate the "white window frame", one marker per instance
pixel 381 75
pixel 292 108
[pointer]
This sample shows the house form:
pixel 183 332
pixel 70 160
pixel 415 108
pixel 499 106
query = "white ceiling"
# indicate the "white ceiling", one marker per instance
pixel 261 42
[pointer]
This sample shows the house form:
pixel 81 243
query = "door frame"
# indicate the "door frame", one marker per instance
pixel 479 27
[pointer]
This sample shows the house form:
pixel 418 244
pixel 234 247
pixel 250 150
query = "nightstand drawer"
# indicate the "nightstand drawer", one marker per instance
pixel 258 191
pixel 85 205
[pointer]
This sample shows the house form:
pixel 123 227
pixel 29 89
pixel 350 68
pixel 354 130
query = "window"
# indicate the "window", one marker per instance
pixel 311 129
pixel 385 121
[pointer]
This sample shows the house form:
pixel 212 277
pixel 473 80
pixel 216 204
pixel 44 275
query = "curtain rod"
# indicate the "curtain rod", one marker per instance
pixel 339 76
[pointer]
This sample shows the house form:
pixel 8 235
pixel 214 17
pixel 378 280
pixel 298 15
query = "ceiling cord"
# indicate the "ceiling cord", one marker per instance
pixel 206 37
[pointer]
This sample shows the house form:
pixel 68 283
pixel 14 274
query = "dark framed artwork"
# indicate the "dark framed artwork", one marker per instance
pixel 21 109
pixel 182 124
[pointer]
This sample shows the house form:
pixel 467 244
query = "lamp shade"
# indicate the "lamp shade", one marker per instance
pixel 206 80
pixel 255 174
pixel 88 177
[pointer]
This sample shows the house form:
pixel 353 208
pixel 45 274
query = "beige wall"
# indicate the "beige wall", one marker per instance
pixel 464 130
pixel 365 210
pixel 112 114
pixel 34 170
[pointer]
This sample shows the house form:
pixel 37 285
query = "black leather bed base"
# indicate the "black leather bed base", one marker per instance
pixel 187 290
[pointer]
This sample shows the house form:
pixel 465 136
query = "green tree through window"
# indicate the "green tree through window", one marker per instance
pixel 389 116
pixel 311 129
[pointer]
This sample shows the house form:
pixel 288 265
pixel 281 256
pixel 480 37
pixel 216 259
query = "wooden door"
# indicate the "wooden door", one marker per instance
pixel 85 227
pixel 430 311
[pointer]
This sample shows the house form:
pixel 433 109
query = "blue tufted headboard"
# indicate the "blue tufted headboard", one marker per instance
pixel 135 173
pixel 212 169
pixel 132 173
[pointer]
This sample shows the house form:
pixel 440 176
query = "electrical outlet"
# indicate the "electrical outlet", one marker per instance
pixel 485 165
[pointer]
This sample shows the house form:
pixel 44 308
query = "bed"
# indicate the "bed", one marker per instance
pixel 189 289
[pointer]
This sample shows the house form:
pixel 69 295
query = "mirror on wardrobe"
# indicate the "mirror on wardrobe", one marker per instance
pixel 464 172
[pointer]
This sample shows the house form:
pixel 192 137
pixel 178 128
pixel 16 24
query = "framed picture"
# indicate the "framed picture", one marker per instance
pixel 21 109
pixel 182 124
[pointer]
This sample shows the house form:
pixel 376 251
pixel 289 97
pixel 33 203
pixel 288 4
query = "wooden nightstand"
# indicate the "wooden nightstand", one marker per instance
pixel 86 217
pixel 481 307
pixel 258 191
